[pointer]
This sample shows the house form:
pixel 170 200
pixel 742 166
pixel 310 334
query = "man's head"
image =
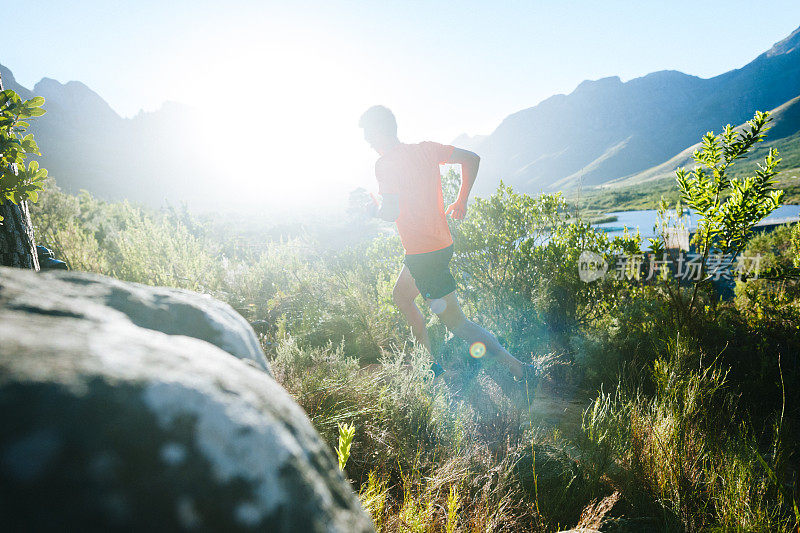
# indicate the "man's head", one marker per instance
pixel 380 128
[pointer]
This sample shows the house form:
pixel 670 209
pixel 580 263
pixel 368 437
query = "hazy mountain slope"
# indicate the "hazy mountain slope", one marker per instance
pixel 87 145
pixel 784 135
pixel 607 129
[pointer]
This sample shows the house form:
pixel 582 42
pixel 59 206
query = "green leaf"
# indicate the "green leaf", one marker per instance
pixel 36 101
pixel 6 96
pixel 29 145
pixel 35 112
pixel 10 181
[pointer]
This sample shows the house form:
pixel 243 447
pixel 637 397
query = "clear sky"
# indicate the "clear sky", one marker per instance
pixel 308 68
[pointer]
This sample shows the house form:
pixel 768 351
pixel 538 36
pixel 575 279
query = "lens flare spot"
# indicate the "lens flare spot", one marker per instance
pixel 477 350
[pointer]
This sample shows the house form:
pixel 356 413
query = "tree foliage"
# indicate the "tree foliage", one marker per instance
pixel 729 208
pixel 19 182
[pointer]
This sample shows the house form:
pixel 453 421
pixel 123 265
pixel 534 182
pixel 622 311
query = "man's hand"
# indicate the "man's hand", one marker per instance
pixel 388 209
pixel 370 208
pixel 457 210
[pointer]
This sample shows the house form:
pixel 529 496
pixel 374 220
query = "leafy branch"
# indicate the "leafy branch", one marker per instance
pixel 728 207
pixel 19 182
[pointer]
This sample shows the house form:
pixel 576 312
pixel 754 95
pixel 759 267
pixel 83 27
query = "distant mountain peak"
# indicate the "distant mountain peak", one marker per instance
pixel 74 95
pixel 49 86
pixel 47 83
pixel 668 75
pixel 602 83
pixel 10 83
pixel 786 46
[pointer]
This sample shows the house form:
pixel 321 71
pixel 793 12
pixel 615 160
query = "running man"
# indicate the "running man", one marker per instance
pixel 409 183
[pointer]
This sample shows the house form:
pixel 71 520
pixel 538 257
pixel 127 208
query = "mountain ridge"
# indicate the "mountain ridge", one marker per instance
pixel 603 131
pixel 784 127
pixel 606 129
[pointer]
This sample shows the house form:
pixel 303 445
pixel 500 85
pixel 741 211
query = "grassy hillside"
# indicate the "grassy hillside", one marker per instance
pixel 647 195
pixel 679 425
pixel 645 189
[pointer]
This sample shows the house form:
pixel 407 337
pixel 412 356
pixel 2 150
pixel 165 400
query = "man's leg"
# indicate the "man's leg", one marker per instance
pixel 453 317
pixel 404 293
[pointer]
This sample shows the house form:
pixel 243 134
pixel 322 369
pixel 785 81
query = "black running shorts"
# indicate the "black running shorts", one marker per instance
pixel 431 272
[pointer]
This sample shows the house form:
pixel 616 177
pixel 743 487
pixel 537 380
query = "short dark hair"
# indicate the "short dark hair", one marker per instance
pixel 379 118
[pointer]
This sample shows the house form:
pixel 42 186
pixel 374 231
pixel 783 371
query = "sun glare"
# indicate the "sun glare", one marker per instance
pixel 283 126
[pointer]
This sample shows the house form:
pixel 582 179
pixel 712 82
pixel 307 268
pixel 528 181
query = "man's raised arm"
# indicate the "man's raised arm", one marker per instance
pixel 469 162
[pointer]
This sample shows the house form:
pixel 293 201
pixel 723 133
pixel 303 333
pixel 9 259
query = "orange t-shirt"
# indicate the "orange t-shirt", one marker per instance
pixel 412 172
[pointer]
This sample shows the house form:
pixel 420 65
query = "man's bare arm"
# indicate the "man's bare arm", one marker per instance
pixel 469 162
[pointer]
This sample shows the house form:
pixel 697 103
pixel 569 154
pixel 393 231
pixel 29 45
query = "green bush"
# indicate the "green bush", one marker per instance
pixel 678 427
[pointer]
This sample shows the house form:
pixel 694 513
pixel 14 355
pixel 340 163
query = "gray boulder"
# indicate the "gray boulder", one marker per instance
pixel 117 413
pixel 101 299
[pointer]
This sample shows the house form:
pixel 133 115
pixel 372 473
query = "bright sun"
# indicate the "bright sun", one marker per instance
pixel 283 121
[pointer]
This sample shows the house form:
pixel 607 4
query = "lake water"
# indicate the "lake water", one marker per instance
pixel 644 220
